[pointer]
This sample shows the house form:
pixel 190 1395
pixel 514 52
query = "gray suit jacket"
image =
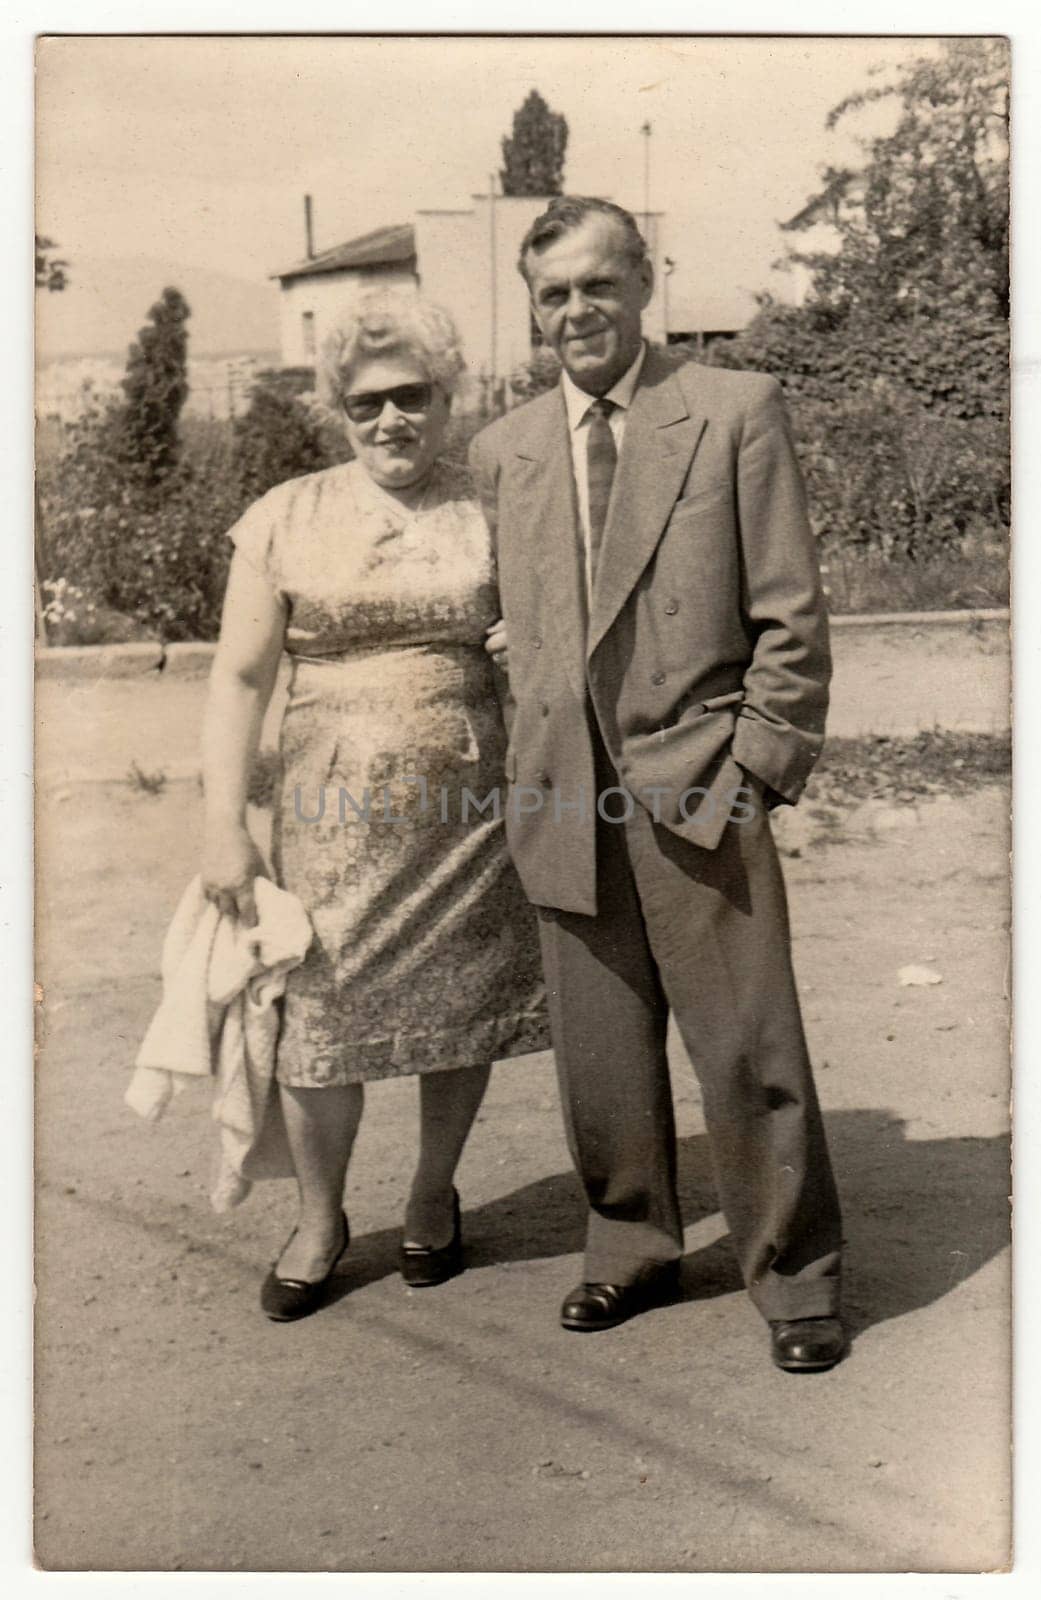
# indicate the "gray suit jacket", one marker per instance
pixel 705 653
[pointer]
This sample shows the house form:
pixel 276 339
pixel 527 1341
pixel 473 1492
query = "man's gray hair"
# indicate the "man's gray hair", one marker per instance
pixel 568 211
pixel 389 322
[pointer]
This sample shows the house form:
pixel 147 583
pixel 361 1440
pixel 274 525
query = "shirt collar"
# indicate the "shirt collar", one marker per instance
pixel 577 402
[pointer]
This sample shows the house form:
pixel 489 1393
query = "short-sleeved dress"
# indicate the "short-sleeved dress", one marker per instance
pixel 387 828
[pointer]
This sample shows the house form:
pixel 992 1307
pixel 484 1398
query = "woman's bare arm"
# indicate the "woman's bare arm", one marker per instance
pixel 241 682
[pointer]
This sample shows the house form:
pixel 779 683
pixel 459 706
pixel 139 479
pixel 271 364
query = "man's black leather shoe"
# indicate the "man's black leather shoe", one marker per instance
pixel 807 1344
pixel 594 1306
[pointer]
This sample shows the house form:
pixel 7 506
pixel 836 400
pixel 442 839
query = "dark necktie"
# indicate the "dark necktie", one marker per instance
pixel 601 456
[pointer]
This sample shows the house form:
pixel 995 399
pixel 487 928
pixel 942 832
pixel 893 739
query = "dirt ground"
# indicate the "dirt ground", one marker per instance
pixel 460 1428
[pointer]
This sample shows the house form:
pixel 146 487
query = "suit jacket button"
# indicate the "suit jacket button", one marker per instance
pixel 671 607
pixel 658 679
pixel 543 778
pixel 544 708
pixel 537 641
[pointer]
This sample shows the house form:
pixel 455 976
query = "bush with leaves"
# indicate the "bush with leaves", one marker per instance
pixel 150 546
pixel 122 517
pixel 536 376
pixel 953 363
pixel 157 558
pixel 885 476
pixel 280 436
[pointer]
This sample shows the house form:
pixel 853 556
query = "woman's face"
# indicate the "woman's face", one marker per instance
pixel 395 420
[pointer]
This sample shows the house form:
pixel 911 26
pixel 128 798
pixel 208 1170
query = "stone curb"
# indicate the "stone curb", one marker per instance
pixel 919 619
pixel 193 658
pixel 96 661
pixel 188 660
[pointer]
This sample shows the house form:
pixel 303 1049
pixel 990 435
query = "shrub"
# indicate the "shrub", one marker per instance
pixel 865 580
pixel 72 617
pixel 951 361
pixel 885 475
pixel 534 377
pixel 153 555
pixel 276 439
pixel 171 566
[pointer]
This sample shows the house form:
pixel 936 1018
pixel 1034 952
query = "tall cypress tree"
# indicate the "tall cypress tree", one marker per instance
pixel 156 387
pixel 534 155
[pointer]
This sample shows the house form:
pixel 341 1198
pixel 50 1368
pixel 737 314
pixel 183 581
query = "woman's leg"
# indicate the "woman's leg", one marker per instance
pixel 321 1125
pixel 448 1103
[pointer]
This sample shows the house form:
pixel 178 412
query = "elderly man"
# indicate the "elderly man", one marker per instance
pixel 668 664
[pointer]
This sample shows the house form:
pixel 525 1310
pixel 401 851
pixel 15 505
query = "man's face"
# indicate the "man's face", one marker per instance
pixel 588 297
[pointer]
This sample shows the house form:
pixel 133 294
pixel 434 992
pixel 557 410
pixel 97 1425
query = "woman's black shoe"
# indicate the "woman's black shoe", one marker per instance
pixel 422 1266
pixel 288 1299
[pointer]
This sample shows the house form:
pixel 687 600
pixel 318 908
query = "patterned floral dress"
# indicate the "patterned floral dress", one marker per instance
pixel 425 954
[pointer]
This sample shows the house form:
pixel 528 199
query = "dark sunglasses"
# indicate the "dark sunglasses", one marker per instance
pixel 412 398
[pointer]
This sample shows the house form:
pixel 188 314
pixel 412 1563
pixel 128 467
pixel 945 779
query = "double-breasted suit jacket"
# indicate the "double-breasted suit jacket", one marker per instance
pixel 704 656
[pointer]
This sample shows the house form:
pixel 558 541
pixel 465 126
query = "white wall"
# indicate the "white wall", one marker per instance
pixel 467 262
pixel 323 296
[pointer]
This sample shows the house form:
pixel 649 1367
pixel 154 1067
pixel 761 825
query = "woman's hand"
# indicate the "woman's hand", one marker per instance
pixel 230 862
pixel 495 643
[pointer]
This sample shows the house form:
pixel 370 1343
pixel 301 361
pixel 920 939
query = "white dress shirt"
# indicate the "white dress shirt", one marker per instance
pixel 578 405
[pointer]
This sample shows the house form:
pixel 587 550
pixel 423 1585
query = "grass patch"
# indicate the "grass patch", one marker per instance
pixel 883 768
pixel 973 578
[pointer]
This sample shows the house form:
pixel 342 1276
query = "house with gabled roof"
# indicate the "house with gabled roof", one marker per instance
pixel 466 260
pixel 313 288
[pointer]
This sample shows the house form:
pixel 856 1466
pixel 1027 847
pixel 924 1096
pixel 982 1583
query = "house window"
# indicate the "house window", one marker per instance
pixel 308 333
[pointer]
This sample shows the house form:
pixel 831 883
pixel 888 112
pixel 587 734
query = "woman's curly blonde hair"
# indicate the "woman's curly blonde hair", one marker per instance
pixel 389 322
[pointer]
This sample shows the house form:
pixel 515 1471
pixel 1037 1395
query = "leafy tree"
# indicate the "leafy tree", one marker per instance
pixel 897 361
pixel 927 213
pixel 915 290
pixel 156 387
pixel 534 155
pixel 51 273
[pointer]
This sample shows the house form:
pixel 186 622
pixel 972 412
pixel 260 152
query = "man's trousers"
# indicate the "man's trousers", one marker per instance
pixel 703 933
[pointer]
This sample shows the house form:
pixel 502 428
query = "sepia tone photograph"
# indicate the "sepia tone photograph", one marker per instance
pixel 522 804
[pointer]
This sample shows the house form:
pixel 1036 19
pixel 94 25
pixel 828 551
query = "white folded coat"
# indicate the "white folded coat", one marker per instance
pixel 218 1019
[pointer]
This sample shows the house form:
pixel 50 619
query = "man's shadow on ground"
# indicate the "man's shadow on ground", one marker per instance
pixel 921 1215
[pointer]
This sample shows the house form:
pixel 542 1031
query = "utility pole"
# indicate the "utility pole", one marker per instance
pixel 668 268
pixel 494 295
pixel 646 131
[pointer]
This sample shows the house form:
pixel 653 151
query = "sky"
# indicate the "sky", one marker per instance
pixel 199 150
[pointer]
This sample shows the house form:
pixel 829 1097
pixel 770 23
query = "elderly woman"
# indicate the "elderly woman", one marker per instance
pixel 378 582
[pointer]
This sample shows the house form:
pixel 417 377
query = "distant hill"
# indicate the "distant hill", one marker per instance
pixel 107 301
